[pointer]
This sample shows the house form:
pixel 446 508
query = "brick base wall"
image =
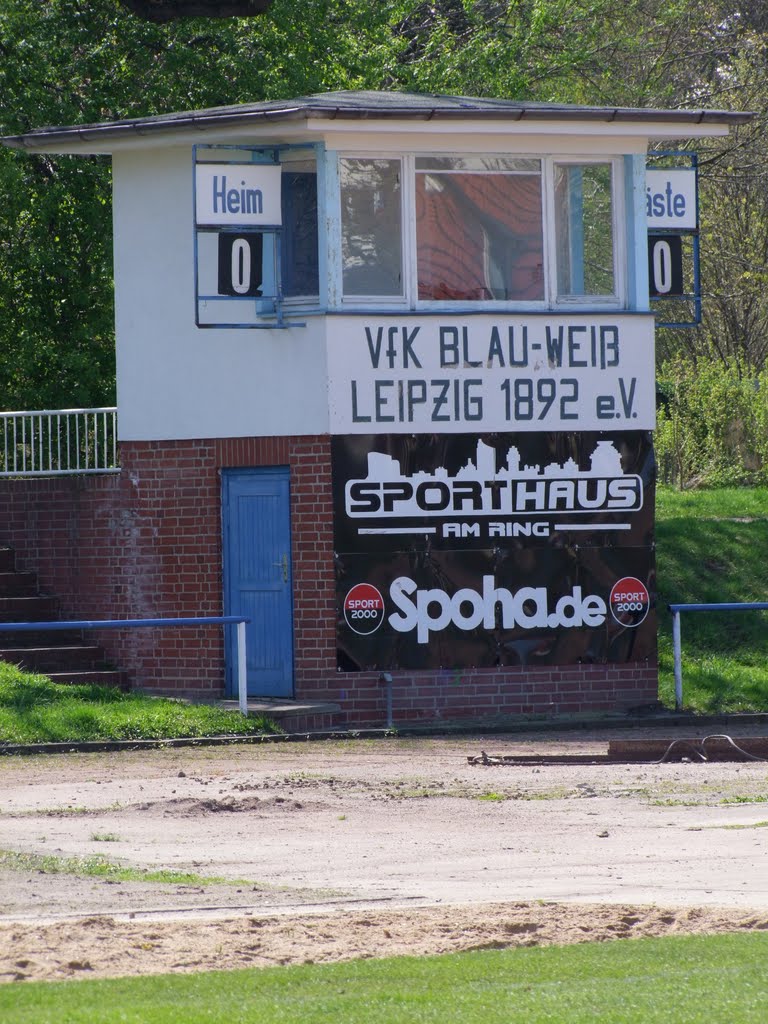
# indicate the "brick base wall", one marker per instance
pixel 496 693
pixel 146 543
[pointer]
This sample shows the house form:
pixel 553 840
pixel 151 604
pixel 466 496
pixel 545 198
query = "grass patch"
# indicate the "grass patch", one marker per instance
pixel 71 811
pixel 98 866
pixel 35 710
pixel 740 828
pixel 712 547
pixel 714 503
pixel 714 801
pixel 689 980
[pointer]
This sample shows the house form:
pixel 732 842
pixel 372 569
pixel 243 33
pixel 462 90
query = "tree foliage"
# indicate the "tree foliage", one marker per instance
pixel 82 61
pixel 712 426
pixel 168 10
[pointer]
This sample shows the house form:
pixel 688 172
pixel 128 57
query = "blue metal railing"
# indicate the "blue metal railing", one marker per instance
pixel 676 609
pixel 240 621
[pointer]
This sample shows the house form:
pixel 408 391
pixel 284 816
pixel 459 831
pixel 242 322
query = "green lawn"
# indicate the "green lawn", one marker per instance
pixel 690 980
pixel 712 547
pixel 717 503
pixel 35 710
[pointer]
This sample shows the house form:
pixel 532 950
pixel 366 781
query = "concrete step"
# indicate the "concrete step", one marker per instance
pixel 302 716
pixel 18 584
pixel 28 638
pixel 29 609
pixel 52 658
pixel 281 707
pixel 94 677
pixel 65 655
pixel 716 747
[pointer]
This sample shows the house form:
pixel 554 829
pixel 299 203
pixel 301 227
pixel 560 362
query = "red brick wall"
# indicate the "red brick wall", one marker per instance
pixel 497 693
pixel 147 543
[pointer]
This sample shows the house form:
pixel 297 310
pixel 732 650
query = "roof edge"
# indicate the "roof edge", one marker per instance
pixel 319 108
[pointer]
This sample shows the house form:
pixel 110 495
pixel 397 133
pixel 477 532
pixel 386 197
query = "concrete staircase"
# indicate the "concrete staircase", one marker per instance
pixel 65 656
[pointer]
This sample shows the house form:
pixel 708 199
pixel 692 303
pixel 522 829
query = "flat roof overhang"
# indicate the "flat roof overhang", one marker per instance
pixel 388 112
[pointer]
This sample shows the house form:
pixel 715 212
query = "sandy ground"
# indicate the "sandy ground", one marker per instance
pixel 334 850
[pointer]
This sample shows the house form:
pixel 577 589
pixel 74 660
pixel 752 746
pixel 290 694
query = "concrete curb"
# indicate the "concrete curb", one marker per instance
pixel 670 719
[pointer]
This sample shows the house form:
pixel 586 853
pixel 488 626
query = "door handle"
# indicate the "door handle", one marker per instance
pixel 283 564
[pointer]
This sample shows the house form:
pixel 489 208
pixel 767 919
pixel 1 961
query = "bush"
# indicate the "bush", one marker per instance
pixel 712 427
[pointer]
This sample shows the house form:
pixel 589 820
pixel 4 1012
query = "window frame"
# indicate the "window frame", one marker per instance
pixel 618 299
pixel 409 300
pixel 429 305
pixel 354 302
pixel 311 154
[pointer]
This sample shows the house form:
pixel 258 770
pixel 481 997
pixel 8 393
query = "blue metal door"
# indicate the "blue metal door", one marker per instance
pixel 257 576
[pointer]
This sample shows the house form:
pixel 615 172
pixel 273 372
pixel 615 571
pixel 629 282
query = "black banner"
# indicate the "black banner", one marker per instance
pixel 501 549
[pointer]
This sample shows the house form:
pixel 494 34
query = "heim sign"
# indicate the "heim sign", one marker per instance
pixel 247 195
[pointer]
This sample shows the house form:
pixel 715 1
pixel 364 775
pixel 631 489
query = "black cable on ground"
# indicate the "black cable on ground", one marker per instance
pixel 695 748
pixel 722 736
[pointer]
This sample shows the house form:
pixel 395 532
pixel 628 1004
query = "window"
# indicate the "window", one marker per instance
pixel 421 230
pixel 371 227
pixel 479 229
pixel 256 234
pixel 299 252
pixel 584 230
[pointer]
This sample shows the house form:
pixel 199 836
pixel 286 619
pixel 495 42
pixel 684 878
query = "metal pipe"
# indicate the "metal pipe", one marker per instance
pixel 678 656
pixel 242 670
pixel 386 679
pixel 210 620
pixel 677 647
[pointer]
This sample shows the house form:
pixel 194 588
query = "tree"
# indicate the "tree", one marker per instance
pixel 81 61
pixel 168 10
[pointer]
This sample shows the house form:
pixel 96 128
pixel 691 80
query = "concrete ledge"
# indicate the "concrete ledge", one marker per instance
pixel 281 708
pixel 474 728
pixel 670 749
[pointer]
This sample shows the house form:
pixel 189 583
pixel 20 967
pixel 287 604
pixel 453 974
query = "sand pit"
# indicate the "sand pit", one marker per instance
pixel 328 851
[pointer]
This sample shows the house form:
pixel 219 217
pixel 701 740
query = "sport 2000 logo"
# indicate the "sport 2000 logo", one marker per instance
pixel 364 609
pixel 430 611
pixel 629 601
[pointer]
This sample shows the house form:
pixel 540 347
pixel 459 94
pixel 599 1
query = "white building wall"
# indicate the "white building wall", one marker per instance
pixel 175 380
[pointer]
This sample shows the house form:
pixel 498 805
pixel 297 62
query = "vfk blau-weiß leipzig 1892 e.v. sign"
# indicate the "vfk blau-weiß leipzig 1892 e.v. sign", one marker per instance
pixel 456 374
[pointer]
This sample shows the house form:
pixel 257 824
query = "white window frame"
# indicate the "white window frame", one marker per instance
pixel 461 305
pixel 618 300
pixel 401 301
pixel 408 299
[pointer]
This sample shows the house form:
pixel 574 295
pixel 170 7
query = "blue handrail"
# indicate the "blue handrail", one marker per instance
pixel 240 621
pixel 730 606
pixel 212 620
pixel 677 648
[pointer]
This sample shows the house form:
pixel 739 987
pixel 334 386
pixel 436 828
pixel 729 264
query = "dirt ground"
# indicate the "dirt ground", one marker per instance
pixel 335 850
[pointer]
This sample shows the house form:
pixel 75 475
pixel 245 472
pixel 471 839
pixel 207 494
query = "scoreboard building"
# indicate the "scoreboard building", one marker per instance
pixel 385 385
